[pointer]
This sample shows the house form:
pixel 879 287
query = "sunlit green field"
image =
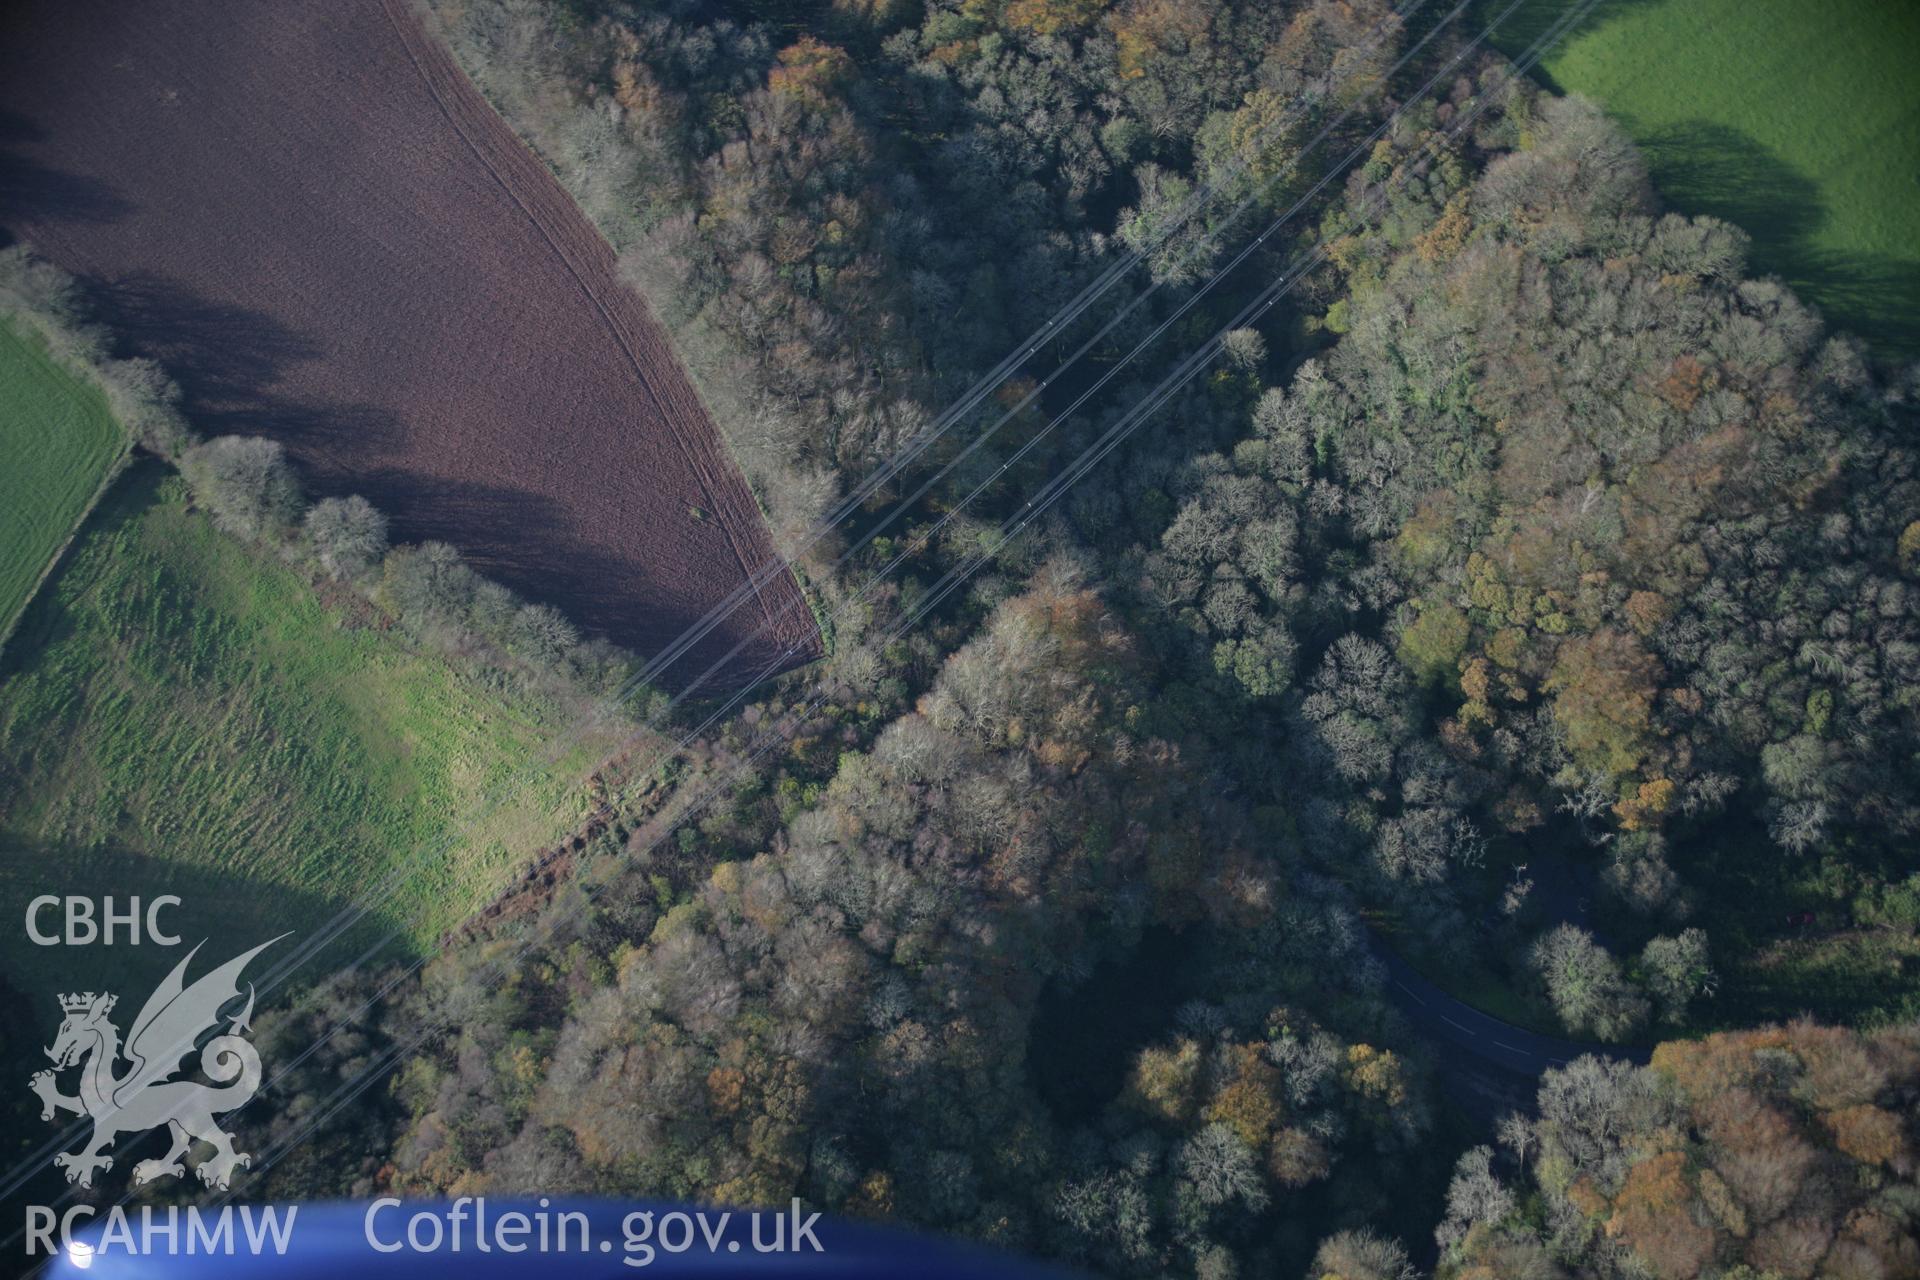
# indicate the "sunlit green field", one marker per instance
pixel 180 714
pixel 57 444
pixel 1800 121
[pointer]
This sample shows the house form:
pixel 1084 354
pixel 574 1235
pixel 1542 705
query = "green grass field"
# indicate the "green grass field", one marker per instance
pixel 1798 121
pixel 180 714
pixel 59 444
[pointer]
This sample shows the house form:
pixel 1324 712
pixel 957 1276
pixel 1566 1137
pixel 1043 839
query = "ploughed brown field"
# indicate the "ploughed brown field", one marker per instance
pixel 314 221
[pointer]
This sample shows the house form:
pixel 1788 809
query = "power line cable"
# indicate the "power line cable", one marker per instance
pixel 1016 524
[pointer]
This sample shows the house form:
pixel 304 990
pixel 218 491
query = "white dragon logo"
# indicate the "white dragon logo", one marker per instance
pixel 173 1019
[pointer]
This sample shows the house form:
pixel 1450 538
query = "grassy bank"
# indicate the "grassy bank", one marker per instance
pixel 1799 122
pixel 59 444
pixel 179 713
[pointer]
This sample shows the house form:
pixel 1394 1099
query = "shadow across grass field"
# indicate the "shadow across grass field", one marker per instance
pixel 223 914
pixel 1534 18
pixel 1799 123
pixel 1702 166
pixel 180 710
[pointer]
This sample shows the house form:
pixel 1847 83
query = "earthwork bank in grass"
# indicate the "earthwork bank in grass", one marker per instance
pixel 323 232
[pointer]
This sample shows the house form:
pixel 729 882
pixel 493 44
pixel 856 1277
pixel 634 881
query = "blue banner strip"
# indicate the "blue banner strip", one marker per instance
pixel 482 1237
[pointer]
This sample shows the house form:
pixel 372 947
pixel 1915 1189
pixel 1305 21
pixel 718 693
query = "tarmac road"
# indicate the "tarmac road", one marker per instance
pixel 1495 1043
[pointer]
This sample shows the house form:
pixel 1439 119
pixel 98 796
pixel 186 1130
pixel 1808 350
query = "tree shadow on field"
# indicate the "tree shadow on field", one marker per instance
pixel 215 351
pixel 32 192
pixel 503 532
pixel 1875 295
pixel 1704 167
pixel 1534 18
pixel 538 547
pixel 226 359
pixel 1701 166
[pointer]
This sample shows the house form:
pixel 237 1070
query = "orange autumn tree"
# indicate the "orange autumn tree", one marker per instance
pixel 1653 1217
pixel 1604 686
pixel 1052 17
pixel 1146 30
pixel 1784 1151
pixel 810 71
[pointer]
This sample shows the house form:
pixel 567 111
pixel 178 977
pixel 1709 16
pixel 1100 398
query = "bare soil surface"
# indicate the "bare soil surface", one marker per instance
pixel 311 217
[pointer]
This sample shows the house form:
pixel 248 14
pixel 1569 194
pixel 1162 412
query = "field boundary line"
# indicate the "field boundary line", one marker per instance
pixel 115 468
